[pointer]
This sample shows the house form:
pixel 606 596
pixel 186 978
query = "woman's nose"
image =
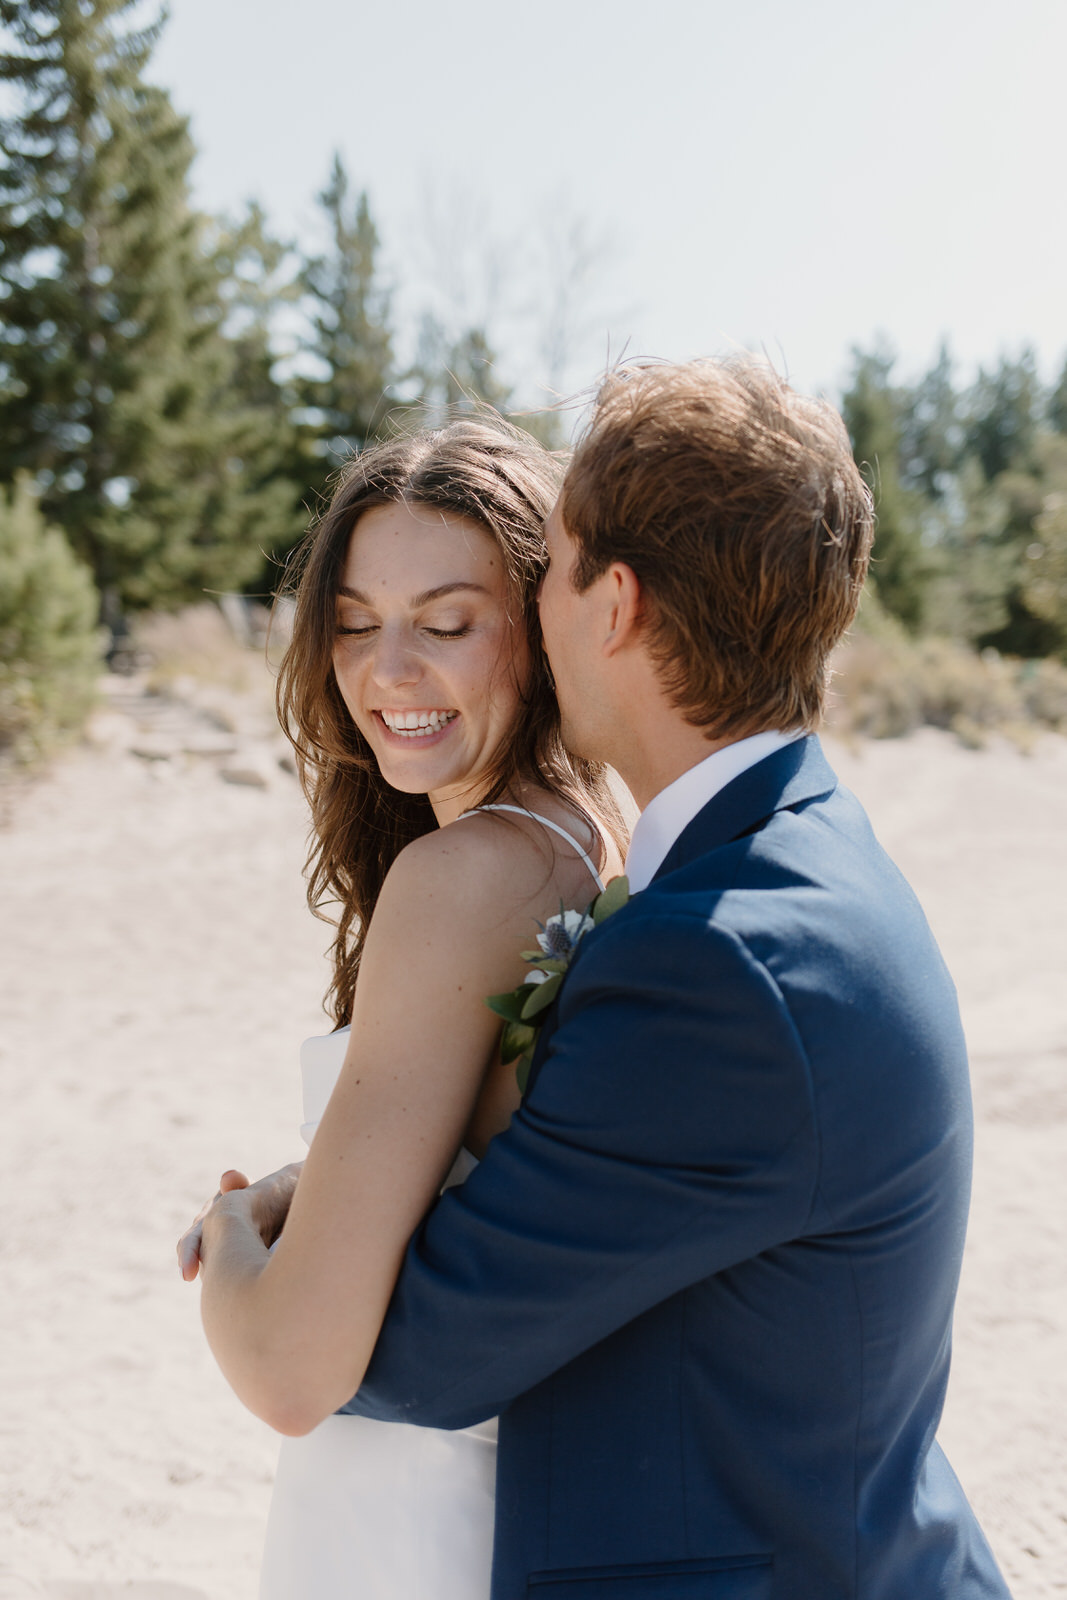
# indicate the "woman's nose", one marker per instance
pixel 396 664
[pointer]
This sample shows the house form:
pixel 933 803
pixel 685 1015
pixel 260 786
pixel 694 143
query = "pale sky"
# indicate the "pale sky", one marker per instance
pixel 796 174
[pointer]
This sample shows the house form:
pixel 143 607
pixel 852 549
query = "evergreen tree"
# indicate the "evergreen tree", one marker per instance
pixel 455 376
pixel 349 399
pixel 258 281
pixel 968 598
pixel 1057 404
pixel 874 415
pixel 114 371
pixel 1004 414
pixel 50 645
pixel 471 378
pixel 1043 586
pixel 931 435
pixel 1031 534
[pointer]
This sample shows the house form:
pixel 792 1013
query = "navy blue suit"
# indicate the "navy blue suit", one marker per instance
pixel 706 1277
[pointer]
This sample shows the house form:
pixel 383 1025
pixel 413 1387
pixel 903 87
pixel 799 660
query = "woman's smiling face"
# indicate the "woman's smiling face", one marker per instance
pixel 426 657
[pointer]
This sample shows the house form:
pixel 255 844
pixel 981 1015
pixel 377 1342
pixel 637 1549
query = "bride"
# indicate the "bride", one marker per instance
pixel 448 820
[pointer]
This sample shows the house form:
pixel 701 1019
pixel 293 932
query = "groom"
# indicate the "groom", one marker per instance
pixel 707 1276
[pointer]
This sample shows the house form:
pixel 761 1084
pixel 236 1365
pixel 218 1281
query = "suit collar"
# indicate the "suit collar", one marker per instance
pixel 797 773
pixel 670 811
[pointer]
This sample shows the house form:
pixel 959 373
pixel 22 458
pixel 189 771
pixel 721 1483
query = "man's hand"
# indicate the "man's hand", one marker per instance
pixel 267 1203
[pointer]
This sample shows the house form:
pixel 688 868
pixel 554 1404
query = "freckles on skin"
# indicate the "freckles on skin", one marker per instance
pixel 425 627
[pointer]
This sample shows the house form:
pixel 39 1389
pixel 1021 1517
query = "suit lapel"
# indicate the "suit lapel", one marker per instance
pixel 797 773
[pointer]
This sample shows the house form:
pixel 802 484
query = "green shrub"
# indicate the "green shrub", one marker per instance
pixel 50 644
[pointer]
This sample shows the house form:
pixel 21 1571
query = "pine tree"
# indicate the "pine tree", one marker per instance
pixel 114 370
pixel 931 434
pixel 873 413
pixel 968 598
pixel 50 645
pixel 1043 589
pixel 471 375
pixel 258 280
pixel 1027 503
pixel 455 376
pixel 1057 403
pixel 350 398
pixel 1004 415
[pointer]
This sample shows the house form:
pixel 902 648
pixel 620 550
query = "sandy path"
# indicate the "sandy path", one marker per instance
pixel 157 972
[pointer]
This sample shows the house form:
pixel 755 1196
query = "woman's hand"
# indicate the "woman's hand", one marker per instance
pixel 268 1202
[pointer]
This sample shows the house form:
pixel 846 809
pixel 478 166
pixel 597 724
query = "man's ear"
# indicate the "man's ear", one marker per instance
pixel 625 608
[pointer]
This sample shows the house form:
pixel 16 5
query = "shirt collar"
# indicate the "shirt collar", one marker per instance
pixel 669 812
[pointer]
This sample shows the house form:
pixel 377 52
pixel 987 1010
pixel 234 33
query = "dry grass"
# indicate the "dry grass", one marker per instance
pixel 195 656
pixel 199 643
pixel 886 685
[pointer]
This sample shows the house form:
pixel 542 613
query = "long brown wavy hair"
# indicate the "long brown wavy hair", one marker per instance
pixel 507 483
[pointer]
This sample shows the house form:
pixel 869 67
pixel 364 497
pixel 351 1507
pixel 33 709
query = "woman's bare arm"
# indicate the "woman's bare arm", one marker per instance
pixel 293 1331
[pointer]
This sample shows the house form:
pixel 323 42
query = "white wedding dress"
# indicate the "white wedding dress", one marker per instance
pixel 366 1510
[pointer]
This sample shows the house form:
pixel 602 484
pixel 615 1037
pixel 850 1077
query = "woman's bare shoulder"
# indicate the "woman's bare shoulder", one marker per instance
pixel 477 860
pixel 490 868
pixel 455 911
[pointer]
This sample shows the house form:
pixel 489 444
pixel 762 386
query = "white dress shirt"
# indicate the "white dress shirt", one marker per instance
pixel 669 812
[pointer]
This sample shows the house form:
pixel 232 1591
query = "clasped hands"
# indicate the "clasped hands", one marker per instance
pixel 265 1204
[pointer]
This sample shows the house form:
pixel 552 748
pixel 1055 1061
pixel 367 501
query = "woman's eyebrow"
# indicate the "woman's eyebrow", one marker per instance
pixel 417 600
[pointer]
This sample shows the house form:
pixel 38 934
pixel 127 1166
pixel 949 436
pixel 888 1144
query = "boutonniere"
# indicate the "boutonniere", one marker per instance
pixel 523 1008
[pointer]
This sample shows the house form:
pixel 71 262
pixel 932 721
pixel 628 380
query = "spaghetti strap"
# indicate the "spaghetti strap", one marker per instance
pixel 521 811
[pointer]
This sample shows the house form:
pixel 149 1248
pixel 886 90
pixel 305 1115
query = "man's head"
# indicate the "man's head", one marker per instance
pixel 736 506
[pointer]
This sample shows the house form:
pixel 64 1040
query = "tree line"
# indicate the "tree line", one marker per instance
pixel 141 392
pixel 970 485
pixel 152 419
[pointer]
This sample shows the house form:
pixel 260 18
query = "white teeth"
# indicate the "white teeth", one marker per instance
pixel 416 724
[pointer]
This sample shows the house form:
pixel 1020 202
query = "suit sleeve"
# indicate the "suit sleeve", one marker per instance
pixel 668 1135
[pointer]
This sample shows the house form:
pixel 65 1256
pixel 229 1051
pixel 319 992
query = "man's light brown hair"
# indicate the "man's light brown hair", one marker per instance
pixel 738 505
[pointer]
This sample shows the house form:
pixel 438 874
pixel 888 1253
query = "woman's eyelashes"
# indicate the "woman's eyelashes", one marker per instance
pixel 365 629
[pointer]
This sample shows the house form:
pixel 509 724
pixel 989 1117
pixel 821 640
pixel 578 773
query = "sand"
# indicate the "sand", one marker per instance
pixel 158 969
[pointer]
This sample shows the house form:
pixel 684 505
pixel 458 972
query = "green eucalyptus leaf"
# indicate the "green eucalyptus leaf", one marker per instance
pixel 516 1038
pixel 509 1006
pixel 542 997
pixel 522 1070
pixel 611 899
pixel 554 964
